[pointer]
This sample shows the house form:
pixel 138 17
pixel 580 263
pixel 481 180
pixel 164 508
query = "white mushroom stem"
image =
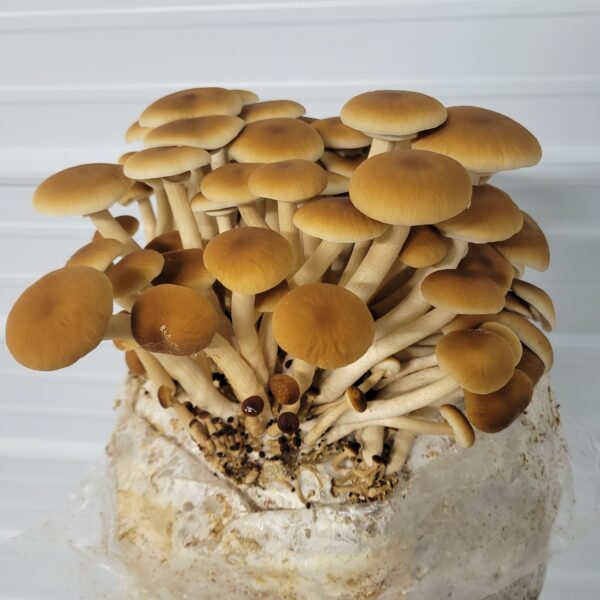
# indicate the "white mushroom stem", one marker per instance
pixel 219 158
pixel 148 218
pixel 316 265
pixel 271 214
pixel 335 382
pixel 359 251
pixel 431 340
pixel 379 146
pixel 286 211
pixel 372 442
pixel 411 382
pixel 413 352
pixel 225 328
pixel 251 216
pixel 119 328
pixel 303 372
pixel 412 366
pixel 224 221
pixel 183 215
pixel 309 244
pixel 109 227
pixel 377 262
pixel 164 216
pixel 157 374
pixel 200 388
pixel 403 442
pixel 242 317
pixel 267 342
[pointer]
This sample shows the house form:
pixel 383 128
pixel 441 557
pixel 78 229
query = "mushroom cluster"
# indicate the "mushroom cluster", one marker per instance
pixel 311 291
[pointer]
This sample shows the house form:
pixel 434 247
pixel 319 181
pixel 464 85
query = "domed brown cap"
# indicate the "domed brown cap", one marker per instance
pixel 339 136
pixel 423 247
pixel 496 411
pixel 185 268
pixel 529 247
pixel 129 223
pixel 484 260
pixel 482 140
pixel 136 133
pixel 465 293
pixel 134 271
pixel 336 184
pixel 336 220
pixel 492 217
pixel 409 187
pixel 165 242
pixel 60 318
pixel 342 165
pixel 138 191
pixel 249 260
pixel 538 299
pixel 247 96
pixel 166 161
pixel 170 319
pixel 228 184
pixel 209 133
pixel 531 365
pixel 393 113
pixel 273 140
pixel 324 325
pixel 272 109
pixel 81 190
pixel 98 254
pixel 478 360
pixel 187 104
pixel 288 181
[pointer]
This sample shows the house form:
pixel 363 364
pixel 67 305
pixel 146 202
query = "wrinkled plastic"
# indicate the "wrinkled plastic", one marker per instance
pixel 471 525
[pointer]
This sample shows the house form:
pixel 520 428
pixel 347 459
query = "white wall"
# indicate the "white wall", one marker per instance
pixel 74 74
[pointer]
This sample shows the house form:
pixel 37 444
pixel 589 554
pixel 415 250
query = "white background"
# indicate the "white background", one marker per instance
pixel 74 74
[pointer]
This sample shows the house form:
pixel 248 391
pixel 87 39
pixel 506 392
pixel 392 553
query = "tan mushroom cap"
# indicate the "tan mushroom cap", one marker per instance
pixel 60 318
pixel 465 293
pixel 492 217
pixel 272 109
pixel 423 247
pixel 200 203
pixel 81 190
pixel 509 335
pixel 410 187
pixel 210 133
pixel 478 360
pixel 136 133
pixel 134 271
pixel 229 184
pixel 463 432
pixel 187 104
pixel 273 140
pixel 482 140
pixel 123 158
pixel 166 161
pixel 165 242
pixel 336 184
pixel 249 260
pixel 339 136
pixel 265 302
pixel 494 412
pixel 395 113
pixel 336 220
pixel 288 181
pixel 170 319
pixel 185 268
pixel 531 365
pixel 324 325
pixel 134 364
pixel 247 96
pixel 342 165
pixel 128 222
pixel 138 191
pixel 529 247
pixel 538 299
pixel 98 254
pixel 483 259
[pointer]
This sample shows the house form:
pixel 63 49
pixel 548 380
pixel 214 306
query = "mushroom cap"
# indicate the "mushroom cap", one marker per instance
pixel 492 217
pixel 265 302
pixel 170 319
pixel 81 190
pixel 509 335
pixel 339 136
pixel 134 364
pixel 249 260
pixel 423 247
pixel 483 259
pixel 342 165
pixel 60 318
pixel 528 247
pixel 466 293
pixel 288 181
pixel 478 360
pixel 123 158
pixel 98 254
pixel 273 140
pixel 229 184
pixel 134 271
pixel 200 203
pixel 210 133
pixel 538 299
pixel 247 96
pixel 336 184
pixel 138 191
pixel 187 104
pixel 165 242
pixel 355 397
pixel 336 220
pixel 185 268
pixel 410 187
pixel 284 389
pixel 531 365
pixel 463 432
pixel 482 140
pixel 494 412
pixel 128 222
pixel 393 112
pixel 324 325
pixel 272 109
pixel 136 133
pixel 166 161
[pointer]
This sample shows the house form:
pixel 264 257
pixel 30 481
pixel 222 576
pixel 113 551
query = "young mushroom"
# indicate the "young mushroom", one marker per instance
pixel 272 109
pixel 98 254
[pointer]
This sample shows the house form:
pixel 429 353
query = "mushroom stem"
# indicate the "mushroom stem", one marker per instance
pixel 242 316
pixel 164 216
pixel 303 372
pixel 412 366
pixel 286 211
pixel 218 158
pixel 201 389
pixel 251 216
pixel 157 374
pixel 271 214
pixel 148 218
pixel 377 262
pixel 379 146
pixel 359 251
pixel 411 382
pixel 372 442
pixel 182 212
pixel 223 222
pixel 335 382
pixel 119 328
pixel 403 442
pixel 268 343
pixel 309 243
pixel 316 265
pixel 109 227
